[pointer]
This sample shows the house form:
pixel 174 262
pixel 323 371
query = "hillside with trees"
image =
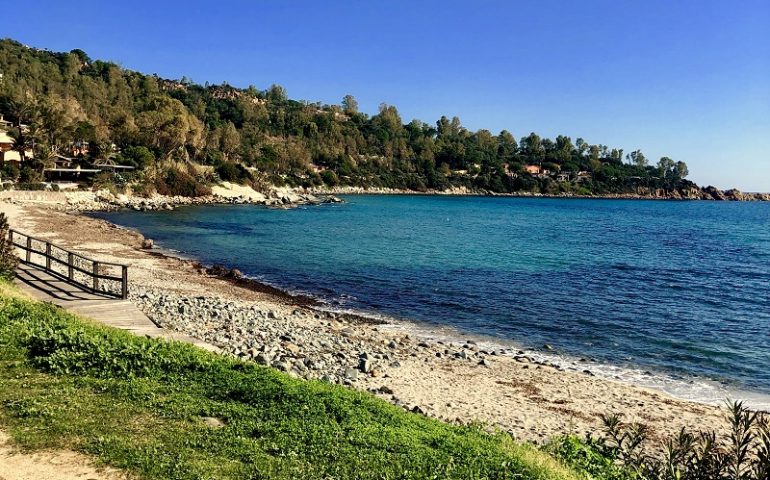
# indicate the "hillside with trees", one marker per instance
pixel 263 137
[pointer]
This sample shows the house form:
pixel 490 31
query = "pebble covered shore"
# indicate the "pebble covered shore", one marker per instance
pixel 309 343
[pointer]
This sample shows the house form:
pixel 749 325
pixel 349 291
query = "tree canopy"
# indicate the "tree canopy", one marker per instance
pixel 68 97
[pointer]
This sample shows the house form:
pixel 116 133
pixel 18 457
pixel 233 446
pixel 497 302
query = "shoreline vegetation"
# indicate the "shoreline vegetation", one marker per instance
pixel 69 121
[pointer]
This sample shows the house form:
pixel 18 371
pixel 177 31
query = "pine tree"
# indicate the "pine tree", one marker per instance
pixel 8 258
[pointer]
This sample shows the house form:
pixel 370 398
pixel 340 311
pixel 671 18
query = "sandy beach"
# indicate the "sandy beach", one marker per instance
pixel 457 381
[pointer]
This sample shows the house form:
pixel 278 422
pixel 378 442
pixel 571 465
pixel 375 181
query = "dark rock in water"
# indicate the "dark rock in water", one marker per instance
pixel 217 270
pixel 547 347
pixel 235 273
pixel 147 243
pixel 589 373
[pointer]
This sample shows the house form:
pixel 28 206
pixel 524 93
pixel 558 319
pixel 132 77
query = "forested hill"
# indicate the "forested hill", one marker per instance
pixel 148 121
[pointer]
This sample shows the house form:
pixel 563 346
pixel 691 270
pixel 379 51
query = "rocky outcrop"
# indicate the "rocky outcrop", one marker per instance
pixel 713 193
pixel 735 195
pixel 106 201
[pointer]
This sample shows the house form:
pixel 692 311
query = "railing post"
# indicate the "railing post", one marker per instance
pixel 96 276
pixel 29 249
pixel 47 256
pixel 124 290
pixel 10 236
pixel 70 270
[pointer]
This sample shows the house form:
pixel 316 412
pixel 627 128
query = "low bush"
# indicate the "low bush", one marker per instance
pixel 33 187
pixel 176 182
pixel 233 172
pixel 624 452
pixel 9 171
pixel 8 258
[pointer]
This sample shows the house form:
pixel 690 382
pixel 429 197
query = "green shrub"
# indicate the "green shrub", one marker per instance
pixel 590 457
pixel 330 178
pixel 233 172
pixel 136 156
pixel 175 182
pixel 34 187
pixel 10 171
pixel 8 258
pixel 624 451
pixel 30 175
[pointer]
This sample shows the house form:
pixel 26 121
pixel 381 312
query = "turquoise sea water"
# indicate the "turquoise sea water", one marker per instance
pixel 670 294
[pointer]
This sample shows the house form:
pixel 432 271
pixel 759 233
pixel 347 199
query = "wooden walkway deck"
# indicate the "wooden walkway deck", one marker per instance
pixel 108 310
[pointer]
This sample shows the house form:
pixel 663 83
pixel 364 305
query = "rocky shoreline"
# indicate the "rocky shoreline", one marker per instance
pixel 709 193
pixel 314 344
pixel 103 200
pixel 109 202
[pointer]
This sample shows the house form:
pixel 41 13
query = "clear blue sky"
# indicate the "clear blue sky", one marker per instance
pixel 687 79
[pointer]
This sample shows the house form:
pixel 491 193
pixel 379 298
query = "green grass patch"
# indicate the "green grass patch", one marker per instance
pixel 140 404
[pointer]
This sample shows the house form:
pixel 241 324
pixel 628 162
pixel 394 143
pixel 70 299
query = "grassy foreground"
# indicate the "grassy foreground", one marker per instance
pixel 141 404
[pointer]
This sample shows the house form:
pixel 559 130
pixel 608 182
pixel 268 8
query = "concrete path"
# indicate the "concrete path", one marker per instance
pixel 105 309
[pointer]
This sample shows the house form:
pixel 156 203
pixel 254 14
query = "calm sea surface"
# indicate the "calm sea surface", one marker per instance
pixel 670 294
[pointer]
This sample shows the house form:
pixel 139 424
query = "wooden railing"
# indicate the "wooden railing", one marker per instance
pixel 75 268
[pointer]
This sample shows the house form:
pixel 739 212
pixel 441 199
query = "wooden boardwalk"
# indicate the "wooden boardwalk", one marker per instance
pixel 115 312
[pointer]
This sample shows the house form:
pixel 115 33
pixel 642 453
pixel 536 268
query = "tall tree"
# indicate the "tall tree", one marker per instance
pixel 350 105
pixel 637 158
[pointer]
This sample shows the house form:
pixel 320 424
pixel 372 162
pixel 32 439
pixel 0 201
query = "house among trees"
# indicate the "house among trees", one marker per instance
pixel 532 169
pixel 7 152
pixel 583 176
pixel 72 173
pixel 109 165
pixel 60 161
